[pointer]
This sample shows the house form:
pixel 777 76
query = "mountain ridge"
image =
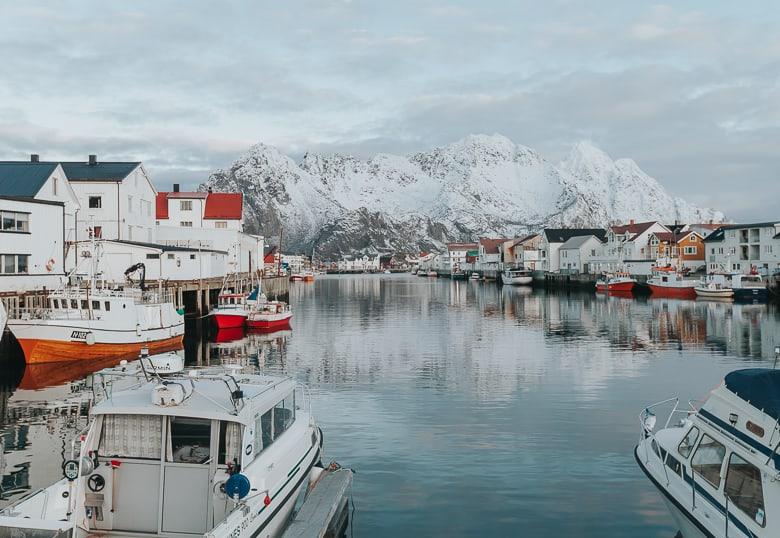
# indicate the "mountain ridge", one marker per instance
pixel 481 185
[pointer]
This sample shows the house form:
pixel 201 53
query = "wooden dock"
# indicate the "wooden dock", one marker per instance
pixel 326 511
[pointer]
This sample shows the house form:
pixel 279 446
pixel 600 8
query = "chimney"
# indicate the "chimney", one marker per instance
pixel 34 158
pixel 92 160
pixel 631 222
pixel 175 187
pixel 210 191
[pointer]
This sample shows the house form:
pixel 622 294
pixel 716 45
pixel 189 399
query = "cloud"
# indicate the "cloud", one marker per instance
pixel 689 92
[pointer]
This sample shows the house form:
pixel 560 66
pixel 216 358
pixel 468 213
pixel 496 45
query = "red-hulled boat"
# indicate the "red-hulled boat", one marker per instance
pixel 269 316
pixel 231 310
pixel 667 282
pixel 619 282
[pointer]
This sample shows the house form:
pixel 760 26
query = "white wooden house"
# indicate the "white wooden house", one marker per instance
pixel 577 253
pixel 551 241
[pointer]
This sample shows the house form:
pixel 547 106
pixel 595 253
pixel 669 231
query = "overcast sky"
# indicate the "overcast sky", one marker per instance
pixel 690 90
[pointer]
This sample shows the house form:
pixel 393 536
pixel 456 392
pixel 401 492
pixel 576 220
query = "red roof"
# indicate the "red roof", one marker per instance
pixel 219 205
pixel 162 205
pixel 224 205
pixel 491 246
pixel 461 246
pixel 633 229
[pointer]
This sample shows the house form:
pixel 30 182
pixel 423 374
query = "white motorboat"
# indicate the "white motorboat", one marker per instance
pixel 715 286
pixel 98 322
pixel 475 276
pixel 517 277
pixel 214 452
pixel 718 467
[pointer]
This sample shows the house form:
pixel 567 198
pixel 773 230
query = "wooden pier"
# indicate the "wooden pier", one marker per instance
pixel 326 511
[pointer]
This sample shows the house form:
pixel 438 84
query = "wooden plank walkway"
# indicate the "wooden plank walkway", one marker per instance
pixel 325 513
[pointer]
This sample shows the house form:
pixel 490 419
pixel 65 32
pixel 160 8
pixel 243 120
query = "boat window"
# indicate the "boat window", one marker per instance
pixel 64 304
pixel 74 304
pixel 708 459
pixel 755 429
pixel 190 440
pixel 55 303
pixel 107 305
pixel 84 304
pixel 266 427
pixel 284 415
pixel 131 436
pixel 743 487
pixel 673 463
pixel 95 305
pixel 655 448
pixel 229 442
pixel 686 445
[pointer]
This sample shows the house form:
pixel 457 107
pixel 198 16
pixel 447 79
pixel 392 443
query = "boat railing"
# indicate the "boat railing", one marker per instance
pixel 648 422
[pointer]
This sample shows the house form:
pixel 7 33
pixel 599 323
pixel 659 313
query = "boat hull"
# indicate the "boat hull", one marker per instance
pixel 37 350
pixel 752 295
pixel 226 320
pixel 622 287
pixel 272 322
pixel 715 293
pixel 518 281
pixel 675 292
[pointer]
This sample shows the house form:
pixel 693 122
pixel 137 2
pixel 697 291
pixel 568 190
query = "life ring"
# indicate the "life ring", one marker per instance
pixel 50 264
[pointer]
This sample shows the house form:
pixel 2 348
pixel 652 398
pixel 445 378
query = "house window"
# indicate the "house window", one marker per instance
pixel 95 202
pixel 593 252
pixel 192 256
pixel 743 488
pixel 129 203
pixel 14 221
pixel 186 224
pixel 185 205
pixel 708 460
pixel 220 224
pixel 97 231
pixel 691 250
pixel 15 263
pixel 54 186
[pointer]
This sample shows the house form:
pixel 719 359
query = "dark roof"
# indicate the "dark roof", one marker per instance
pixel 166 248
pixel 717 235
pixel 108 171
pixel 24 178
pixel 561 235
pixel 760 387
pixel 29 200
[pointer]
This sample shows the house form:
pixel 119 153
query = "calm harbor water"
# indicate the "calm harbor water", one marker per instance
pixel 466 409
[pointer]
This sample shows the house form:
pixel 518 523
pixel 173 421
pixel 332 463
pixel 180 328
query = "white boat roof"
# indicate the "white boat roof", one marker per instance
pixel 211 397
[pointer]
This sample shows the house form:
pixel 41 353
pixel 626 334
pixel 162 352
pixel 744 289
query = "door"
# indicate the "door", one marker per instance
pixel 187 472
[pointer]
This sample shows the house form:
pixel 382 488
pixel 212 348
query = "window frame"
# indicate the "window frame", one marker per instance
pixel 99 203
pixel 692 445
pixel 761 489
pixel 720 469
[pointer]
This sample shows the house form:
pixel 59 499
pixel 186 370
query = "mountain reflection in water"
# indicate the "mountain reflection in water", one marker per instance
pixel 466 408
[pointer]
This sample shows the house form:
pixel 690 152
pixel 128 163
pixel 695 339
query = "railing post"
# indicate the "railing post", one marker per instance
pixel 727 515
pixel 693 487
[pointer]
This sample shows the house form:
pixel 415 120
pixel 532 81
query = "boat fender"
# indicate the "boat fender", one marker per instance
pixel 237 486
pixel 90 339
pixel 50 264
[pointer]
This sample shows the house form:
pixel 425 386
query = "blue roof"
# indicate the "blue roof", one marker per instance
pixel 108 171
pixel 760 387
pixel 23 179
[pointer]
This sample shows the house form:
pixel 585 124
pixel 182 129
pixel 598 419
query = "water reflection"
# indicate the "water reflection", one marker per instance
pixel 467 408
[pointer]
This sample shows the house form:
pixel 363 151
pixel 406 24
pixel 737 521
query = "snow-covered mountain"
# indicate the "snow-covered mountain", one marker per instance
pixel 479 186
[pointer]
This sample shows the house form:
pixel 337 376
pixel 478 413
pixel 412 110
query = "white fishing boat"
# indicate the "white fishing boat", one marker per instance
pixel 715 286
pixel 216 452
pixel 84 323
pixel 717 467
pixel 517 277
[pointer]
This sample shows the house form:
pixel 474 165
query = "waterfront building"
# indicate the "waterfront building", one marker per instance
pixel 683 249
pixel 578 252
pixel 553 238
pixel 455 257
pixel 360 263
pixel 744 248
pixel 37 224
pixel 295 263
pixel 210 221
pixel 521 252
pixel 489 254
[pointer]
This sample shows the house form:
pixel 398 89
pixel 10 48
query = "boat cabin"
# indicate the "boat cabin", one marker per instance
pixel 720 465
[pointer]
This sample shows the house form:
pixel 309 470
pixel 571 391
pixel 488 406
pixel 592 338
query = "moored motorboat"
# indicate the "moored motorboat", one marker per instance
pixel 716 468
pixel 296 277
pixel 749 288
pixel 231 310
pixel 458 275
pixel 433 274
pixel 517 277
pixel 270 315
pixel 211 452
pixel 715 286
pixel 618 282
pixel 475 276
pixel 670 283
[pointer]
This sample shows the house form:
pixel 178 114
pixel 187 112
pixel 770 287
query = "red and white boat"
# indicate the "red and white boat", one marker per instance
pixel 270 315
pixel 667 282
pixel 231 310
pixel 618 282
pixel 297 277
